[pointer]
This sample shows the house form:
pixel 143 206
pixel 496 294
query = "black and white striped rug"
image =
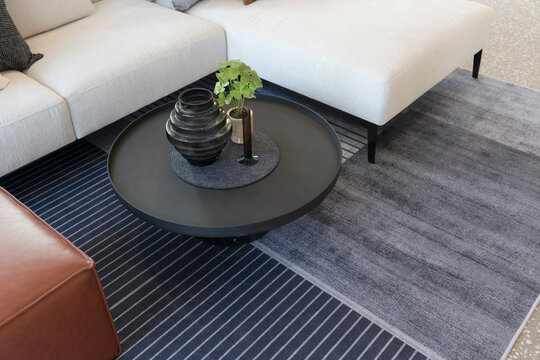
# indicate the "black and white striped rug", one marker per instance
pixel 175 297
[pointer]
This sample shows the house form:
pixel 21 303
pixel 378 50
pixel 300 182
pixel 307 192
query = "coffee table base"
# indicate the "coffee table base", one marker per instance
pixel 239 240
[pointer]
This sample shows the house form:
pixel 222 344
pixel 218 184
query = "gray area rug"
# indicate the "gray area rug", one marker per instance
pixel 441 238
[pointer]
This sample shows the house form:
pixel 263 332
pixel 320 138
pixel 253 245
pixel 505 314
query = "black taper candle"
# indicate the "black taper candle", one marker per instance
pixel 246 125
pixel 248 158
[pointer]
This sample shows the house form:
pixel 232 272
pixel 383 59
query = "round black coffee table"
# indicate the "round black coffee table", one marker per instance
pixel 309 166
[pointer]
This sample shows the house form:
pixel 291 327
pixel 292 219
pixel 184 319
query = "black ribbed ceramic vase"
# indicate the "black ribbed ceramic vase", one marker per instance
pixel 197 127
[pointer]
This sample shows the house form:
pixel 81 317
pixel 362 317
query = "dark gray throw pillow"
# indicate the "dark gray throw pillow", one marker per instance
pixel 14 51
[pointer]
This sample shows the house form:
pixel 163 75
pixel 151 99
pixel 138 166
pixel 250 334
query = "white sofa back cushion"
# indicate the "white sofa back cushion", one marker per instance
pixel 33 17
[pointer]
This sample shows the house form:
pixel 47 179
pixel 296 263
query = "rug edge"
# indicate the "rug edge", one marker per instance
pixel 520 329
pixel 351 303
pixel 498 79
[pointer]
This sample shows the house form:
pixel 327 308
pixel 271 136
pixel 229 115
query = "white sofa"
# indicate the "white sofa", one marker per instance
pixel 370 58
pixel 125 55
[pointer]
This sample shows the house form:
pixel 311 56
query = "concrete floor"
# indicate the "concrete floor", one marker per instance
pixel 513 51
pixel 527 346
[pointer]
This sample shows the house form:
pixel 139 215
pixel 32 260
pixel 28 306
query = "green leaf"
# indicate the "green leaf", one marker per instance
pixel 228 63
pixel 239 85
pixel 221 99
pixel 236 94
pixel 236 64
pixel 233 73
pixel 220 88
pixel 222 77
pixel 256 80
pixel 248 93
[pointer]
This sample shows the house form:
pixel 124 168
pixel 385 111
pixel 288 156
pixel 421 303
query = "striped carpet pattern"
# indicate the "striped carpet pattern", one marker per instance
pixel 176 297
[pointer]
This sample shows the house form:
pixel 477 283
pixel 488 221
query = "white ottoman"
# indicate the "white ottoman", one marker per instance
pixel 370 58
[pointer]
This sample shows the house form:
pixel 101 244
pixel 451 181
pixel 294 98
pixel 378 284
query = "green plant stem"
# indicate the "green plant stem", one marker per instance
pixel 240 108
pixel 238 105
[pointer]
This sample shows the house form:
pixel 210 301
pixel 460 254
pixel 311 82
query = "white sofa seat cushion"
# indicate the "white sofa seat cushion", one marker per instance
pixel 370 58
pixel 33 121
pixel 126 55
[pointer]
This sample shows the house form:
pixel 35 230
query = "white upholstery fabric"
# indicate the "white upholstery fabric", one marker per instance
pixel 370 58
pixel 125 56
pixel 36 16
pixel 95 1
pixel 4 81
pixel 33 122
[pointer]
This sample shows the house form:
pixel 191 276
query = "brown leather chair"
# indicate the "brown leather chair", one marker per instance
pixel 52 305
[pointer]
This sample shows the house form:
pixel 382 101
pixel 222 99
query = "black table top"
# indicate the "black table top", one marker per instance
pixel 310 161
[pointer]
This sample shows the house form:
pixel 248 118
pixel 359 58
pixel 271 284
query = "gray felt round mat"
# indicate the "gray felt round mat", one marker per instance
pixel 227 172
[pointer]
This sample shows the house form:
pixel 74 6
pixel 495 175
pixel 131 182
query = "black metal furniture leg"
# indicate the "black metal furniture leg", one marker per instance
pixel 476 64
pixel 372 142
